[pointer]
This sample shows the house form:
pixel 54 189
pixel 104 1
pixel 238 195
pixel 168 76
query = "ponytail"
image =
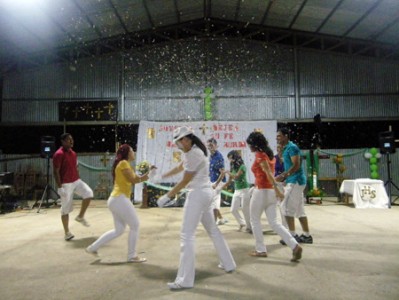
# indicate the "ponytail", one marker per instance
pixel 121 154
pixel 196 141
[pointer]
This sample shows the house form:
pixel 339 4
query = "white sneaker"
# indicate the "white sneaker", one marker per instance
pixel 68 236
pixel 163 200
pixel 94 253
pixel 222 222
pixel 82 221
pixel 176 286
pixel 220 266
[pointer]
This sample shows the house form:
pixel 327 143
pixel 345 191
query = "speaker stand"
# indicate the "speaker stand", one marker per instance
pixel 389 183
pixel 47 189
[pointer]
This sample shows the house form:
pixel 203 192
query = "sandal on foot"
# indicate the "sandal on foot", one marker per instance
pixel 258 254
pixel 296 254
pixel 136 259
pixel 241 227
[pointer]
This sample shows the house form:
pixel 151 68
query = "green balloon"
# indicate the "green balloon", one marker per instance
pixel 208 90
pixel 373 167
pixel 373 151
pixel 374 175
pixel 373 160
pixel 208 115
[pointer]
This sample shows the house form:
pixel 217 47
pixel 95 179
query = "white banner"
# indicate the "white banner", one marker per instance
pixel 155 144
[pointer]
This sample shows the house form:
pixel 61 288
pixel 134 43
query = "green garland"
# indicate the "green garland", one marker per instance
pixel 340 154
pixel 167 188
pixel 93 168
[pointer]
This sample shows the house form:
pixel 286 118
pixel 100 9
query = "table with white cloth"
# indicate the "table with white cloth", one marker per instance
pixel 366 193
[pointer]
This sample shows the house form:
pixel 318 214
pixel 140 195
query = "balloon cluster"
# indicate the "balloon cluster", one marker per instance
pixel 208 95
pixel 373 155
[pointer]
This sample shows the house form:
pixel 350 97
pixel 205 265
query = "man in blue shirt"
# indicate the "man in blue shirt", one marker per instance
pixel 216 174
pixel 293 204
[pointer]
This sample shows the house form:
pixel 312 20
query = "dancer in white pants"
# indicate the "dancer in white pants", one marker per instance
pixel 197 207
pixel 264 197
pixel 120 205
pixel 241 197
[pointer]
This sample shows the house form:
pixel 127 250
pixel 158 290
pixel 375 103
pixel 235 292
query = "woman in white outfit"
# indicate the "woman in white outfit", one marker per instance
pixel 264 197
pixel 197 207
pixel 120 205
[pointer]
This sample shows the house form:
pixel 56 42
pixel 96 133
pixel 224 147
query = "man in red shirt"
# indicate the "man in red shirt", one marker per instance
pixel 66 175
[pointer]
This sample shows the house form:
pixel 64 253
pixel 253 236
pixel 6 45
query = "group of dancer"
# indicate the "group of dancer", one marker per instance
pixel 200 200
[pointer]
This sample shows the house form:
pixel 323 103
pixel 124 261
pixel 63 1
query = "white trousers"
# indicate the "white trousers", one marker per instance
pixel 78 187
pixel 123 213
pixel 217 196
pixel 293 204
pixel 264 200
pixel 197 208
pixel 241 199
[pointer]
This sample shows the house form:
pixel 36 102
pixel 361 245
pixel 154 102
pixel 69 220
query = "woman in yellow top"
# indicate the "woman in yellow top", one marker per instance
pixel 119 204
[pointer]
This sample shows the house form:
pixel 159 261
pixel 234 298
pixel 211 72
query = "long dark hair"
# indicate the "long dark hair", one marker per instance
pixel 258 141
pixel 196 141
pixel 121 154
pixel 236 160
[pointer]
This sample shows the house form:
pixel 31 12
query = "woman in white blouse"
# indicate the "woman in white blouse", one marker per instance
pixel 197 207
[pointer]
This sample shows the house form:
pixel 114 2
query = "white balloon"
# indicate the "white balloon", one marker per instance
pixel 378 155
pixel 367 155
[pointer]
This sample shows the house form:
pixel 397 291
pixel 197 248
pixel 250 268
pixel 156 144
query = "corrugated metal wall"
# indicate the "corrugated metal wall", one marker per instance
pixel 33 95
pixel 251 81
pixel 339 86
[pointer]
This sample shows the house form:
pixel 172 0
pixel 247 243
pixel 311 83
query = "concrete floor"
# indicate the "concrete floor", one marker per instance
pixel 355 255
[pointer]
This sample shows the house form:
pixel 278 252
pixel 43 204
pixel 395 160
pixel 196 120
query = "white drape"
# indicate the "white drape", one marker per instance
pixel 155 144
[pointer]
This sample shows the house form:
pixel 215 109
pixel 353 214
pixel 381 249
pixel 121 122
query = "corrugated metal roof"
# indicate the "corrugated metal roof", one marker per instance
pixel 38 32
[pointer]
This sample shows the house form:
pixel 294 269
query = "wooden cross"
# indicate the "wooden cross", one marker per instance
pixel 76 111
pixel 203 128
pixel 87 108
pixel 98 112
pixel 110 108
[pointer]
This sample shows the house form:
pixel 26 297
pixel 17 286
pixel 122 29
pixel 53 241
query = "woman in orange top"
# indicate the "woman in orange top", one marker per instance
pixel 264 197
pixel 119 204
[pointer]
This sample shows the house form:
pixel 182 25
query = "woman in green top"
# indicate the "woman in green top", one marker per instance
pixel 241 197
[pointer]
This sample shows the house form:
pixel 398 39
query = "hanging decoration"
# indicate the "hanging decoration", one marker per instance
pixel 373 155
pixel 338 160
pixel 208 96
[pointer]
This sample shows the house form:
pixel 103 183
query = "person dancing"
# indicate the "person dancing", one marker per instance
pixel 295 182
pixel 67 178
pixel 216 174
pixel 264 197
pixel 123 211
pixel 197 207
pixel 241 197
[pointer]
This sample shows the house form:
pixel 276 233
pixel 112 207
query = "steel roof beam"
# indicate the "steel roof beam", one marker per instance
pixel 118 16
pixel 329 16
pixel 365 15
pixel 266 14
pixel 297 14
pixel 147 11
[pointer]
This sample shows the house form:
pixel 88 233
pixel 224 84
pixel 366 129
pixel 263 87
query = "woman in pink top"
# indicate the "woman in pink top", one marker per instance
pixel 120 205
pixel 264 197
